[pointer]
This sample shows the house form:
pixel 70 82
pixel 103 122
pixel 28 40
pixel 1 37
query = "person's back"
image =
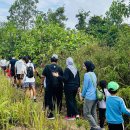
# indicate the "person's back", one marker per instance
pixel 19 65
pixel 71 81
pixel 115 107
pixel 3 62
pixel 52 81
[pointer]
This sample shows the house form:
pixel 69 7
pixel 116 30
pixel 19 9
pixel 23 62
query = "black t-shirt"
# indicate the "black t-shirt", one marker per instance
pixel 50 79
pixel 12 62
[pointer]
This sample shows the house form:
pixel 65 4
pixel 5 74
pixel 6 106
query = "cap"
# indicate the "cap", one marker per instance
pixel 113 86
pixel 55 56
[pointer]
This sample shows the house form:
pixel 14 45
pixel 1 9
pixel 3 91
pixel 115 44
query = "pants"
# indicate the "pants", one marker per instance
pixel 89 112
pixel 102 116
pixel 53 98
pixel 70 96
pixel 116 126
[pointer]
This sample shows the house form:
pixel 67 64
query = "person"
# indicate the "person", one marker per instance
pixel 71 81
pixel 12 70
pixel 3 64
pixel 20 71
pixel 115 106
pixel 29 81
pixel 102 103
pixel 54 87
pixel 89 95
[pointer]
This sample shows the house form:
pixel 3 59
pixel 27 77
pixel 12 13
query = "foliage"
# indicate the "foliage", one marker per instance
pixel 56 17
pixel 22 13
pixel 82 20
pixel 117 12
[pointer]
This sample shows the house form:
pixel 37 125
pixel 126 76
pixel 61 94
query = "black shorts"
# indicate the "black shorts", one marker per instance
pixel 20 76
pixel 3 68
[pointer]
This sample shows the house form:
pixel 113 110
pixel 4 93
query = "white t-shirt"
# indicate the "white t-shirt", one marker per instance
pixel 29 79
pixel 102 104
pixel 20 67
pixel 3 62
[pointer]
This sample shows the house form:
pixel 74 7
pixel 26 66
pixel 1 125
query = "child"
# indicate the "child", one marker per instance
pixel 102 104
pixel 115 106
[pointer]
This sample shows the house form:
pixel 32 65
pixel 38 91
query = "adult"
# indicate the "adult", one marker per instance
pixel 54 87
pixel 3 64
pixel 71 86
pixel 89 95
pixel 29 81
pixel 12 70
pixel 20 71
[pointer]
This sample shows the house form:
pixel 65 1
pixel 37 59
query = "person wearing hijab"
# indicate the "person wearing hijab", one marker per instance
pixel 89 95
pixel 71 81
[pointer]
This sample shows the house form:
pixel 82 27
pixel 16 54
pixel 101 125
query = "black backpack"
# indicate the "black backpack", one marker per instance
pixel 54 80
pixel 30 71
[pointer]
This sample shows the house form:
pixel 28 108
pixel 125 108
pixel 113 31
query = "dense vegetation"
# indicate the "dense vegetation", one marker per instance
pixel 104 40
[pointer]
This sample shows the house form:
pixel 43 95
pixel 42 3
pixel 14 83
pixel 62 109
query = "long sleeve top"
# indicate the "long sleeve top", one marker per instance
pixel 89 86
pixel 115 107
pixel 70 82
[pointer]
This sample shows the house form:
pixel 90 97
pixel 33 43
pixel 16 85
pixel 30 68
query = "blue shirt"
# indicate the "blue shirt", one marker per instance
pixel 115 106
pixel 89 86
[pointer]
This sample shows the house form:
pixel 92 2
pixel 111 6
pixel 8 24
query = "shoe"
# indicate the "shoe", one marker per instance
pixel 77 117
pixel 51 117
pixel 96 128
pixel 70 118
pixel 34 100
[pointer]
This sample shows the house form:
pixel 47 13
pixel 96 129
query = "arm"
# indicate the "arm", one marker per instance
pixel 85 85
pixel 124 108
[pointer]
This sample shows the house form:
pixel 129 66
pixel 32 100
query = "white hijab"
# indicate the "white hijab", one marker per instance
pixel 71 66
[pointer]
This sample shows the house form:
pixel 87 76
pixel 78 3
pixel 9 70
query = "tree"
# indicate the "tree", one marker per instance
pixel 82 20
pixel 117 12
pixel 22 13
pixel 57 17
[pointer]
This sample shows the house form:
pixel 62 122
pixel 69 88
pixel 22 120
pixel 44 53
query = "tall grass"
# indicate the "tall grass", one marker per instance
pixel 18 111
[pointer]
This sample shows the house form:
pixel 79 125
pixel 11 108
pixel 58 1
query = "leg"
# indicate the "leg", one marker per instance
pixel 75 109
pixel 69 102
pixel 93 111
pixel 102 116
pixel 87 108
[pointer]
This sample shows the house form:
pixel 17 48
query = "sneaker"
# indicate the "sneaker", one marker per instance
pixel 34 100
pixel 70 118
pixel 96 128
pixel 77 117
pixel 51 117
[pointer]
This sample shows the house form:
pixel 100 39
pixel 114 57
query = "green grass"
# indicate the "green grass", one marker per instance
pixel 16 111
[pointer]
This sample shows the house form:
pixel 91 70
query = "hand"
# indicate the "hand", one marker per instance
pixel 55 74
pixel 79 90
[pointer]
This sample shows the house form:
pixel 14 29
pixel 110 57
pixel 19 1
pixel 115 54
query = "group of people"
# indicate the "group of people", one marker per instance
pixel 56 82
pixel 21 73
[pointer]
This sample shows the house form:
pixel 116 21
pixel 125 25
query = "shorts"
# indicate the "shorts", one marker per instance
pixel 29 84
pixel 20 76
pixel 3 68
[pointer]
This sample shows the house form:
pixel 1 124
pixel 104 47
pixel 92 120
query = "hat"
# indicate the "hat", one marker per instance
pixel 113 86
pixel 55 56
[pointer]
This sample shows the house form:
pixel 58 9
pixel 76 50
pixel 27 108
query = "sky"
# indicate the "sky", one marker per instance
pixel 96 7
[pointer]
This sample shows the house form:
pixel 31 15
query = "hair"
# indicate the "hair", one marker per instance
pixel 25 58
pixel 2 57
pixel 53 59
pixel 112 92
pixel 89 66
pixel 103 84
